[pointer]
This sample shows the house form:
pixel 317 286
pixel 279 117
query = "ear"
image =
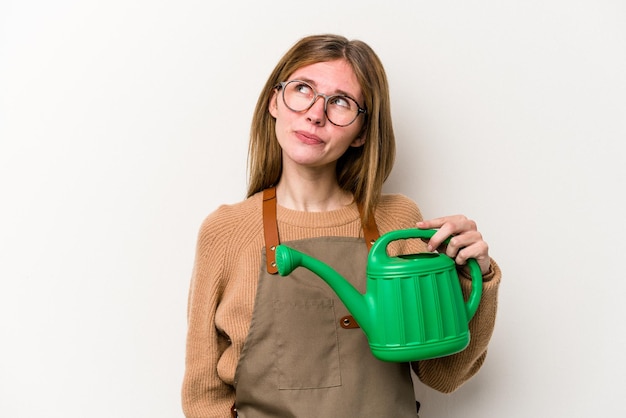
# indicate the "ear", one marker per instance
pixel 273 104
pixel 358 141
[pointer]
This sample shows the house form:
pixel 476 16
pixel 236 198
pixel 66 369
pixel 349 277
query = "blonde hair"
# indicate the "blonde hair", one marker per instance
pixel 361 170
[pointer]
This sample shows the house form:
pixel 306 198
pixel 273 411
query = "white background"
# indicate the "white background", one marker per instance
pixel 124 123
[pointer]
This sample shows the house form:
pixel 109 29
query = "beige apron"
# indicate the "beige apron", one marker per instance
pixel 304 355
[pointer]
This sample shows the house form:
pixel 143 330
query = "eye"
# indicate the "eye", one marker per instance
pixel 303 88
pixel 341 101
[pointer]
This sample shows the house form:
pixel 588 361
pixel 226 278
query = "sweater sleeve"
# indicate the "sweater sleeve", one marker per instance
pixel 204 394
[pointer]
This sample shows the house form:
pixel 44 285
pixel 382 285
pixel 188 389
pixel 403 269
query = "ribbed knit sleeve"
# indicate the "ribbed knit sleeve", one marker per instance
pixel 211 356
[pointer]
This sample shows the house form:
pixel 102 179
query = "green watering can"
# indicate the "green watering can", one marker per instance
pixel 413 308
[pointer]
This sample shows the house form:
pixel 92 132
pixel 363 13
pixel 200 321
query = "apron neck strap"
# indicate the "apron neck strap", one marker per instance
pixel 270 228
pixel 370 230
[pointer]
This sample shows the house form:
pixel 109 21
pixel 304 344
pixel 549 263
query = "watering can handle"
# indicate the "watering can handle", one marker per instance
pixel 379 251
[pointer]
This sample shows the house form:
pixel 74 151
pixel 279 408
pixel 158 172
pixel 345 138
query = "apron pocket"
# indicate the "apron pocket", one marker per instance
pixel 307 354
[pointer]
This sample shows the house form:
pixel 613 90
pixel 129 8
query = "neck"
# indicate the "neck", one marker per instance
pixel 312 194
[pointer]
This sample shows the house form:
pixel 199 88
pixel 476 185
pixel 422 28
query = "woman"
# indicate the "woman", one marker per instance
pixel 322 145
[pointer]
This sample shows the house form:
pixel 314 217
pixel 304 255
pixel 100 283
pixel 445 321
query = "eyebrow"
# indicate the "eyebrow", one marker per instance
pixel 337 92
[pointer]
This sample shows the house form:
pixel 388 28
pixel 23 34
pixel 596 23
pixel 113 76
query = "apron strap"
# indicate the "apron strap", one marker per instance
pixel 370 230
pixel 270 228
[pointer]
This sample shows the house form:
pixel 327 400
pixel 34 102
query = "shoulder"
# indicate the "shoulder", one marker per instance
pixel 399 205
pixel 397 211
pixel 232 222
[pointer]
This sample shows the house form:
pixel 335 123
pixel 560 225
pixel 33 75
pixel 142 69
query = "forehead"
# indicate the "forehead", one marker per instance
pixel 330 77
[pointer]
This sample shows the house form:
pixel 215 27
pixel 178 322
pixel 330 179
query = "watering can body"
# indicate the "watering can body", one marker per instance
pixel 413 308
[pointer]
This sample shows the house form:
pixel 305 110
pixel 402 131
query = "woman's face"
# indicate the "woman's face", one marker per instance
pixel 307 138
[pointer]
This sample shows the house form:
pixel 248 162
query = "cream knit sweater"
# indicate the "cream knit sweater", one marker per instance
pixel 223 288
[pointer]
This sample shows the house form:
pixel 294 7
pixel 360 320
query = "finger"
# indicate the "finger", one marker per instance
pixel 447 226
pixel 466 239
pixel 458 223
pixel 476 250
pixel 442 234
pixel 479 251
pixel 431 223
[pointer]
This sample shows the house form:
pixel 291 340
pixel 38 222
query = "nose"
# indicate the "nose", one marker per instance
pixel 316 113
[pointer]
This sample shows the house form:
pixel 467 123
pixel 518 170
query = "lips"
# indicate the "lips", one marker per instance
pixel 308 138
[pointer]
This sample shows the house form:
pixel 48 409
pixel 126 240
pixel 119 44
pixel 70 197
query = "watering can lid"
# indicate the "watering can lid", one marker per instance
pixel 410 264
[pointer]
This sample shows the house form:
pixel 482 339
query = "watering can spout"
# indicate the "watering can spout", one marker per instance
pixel 288 259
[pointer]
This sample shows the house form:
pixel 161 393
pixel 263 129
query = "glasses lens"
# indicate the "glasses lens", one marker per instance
pixel 341 110
pixel 300 96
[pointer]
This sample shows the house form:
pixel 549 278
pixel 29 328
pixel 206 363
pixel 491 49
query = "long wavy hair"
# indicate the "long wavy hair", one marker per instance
pixel 361 170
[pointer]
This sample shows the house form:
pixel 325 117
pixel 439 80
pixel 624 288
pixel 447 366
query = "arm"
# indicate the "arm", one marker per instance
pixel 204 394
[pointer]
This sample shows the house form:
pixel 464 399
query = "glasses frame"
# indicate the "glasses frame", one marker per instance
pixel 281 86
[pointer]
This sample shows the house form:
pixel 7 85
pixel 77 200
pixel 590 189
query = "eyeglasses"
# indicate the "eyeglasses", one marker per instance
pixel 300 96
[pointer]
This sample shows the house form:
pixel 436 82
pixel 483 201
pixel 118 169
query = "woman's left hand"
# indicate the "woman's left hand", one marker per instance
pixel 466 241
